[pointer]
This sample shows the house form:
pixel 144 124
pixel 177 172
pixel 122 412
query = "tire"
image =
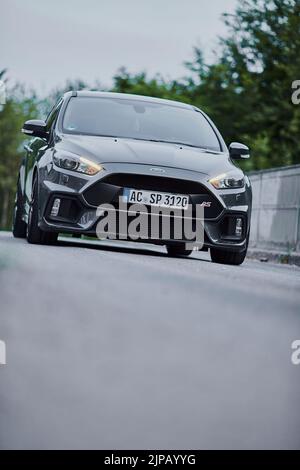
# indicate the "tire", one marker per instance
pixel 178 250
pixel 228 257
pixel 34 234
pixel 19 226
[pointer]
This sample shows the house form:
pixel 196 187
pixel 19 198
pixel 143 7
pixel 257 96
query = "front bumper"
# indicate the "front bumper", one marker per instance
pixel 80 196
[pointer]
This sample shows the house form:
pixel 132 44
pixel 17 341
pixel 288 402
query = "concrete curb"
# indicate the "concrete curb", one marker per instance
pixel 274 256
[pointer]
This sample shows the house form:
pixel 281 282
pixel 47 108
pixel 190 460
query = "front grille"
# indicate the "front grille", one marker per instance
pixel 155 183
pixel 109 189
pixel 154 228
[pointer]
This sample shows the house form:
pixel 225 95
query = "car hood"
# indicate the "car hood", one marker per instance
pixel 121 150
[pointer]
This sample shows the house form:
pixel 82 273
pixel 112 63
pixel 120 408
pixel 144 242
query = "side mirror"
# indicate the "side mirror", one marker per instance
pixel 35 128
pixel 238 151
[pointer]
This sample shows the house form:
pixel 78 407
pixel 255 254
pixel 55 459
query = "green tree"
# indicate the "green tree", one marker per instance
pixel 140 84
pixel 248 89
pixel 19 107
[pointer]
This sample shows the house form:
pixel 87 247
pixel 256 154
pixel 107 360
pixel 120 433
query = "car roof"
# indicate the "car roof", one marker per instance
pixel 109 94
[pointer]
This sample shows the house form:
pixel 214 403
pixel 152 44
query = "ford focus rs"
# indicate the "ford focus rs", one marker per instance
pixel 98 148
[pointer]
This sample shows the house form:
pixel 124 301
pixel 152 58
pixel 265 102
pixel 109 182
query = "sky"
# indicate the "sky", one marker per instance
pixel 43 43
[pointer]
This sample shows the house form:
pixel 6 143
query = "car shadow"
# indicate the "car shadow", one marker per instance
pixel 116 246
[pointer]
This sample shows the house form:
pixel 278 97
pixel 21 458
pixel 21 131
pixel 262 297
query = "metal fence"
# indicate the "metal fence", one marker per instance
pixel 276 209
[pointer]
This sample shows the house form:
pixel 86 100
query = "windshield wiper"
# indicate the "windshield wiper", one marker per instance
pixel 206 149
pixel 185 143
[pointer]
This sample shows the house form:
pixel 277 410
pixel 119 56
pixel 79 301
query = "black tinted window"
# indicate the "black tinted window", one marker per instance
pixel 53 115
pixel 140 120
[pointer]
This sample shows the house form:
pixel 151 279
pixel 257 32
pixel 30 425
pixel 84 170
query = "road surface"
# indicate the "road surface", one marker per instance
pixel 117 346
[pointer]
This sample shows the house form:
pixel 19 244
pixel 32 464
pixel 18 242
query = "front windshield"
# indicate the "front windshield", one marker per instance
pixel 134 119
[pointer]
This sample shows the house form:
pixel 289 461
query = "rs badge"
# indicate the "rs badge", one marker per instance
pixel 205 204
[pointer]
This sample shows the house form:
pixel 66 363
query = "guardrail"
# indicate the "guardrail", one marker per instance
pixel 276 209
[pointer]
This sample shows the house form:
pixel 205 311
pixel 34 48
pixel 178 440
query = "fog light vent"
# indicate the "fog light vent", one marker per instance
pixel 55 207
pixel 87 219
pixel 239 227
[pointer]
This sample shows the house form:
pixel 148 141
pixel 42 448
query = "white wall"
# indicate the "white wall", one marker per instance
pixel 276 209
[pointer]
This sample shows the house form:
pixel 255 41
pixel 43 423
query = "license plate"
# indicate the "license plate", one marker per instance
pixel 154 198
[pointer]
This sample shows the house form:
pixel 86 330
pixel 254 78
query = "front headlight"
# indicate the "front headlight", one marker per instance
pixel 231 180
pixel 72 162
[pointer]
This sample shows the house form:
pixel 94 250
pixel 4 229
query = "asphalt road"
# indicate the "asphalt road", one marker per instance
pixel 117 346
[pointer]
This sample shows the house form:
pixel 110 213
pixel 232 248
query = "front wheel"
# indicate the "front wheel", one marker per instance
pixel 19 226
pixel 178 250
pixel 34 234
pixel 228 257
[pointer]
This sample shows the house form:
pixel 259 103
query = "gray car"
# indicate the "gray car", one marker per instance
pixel 100 150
